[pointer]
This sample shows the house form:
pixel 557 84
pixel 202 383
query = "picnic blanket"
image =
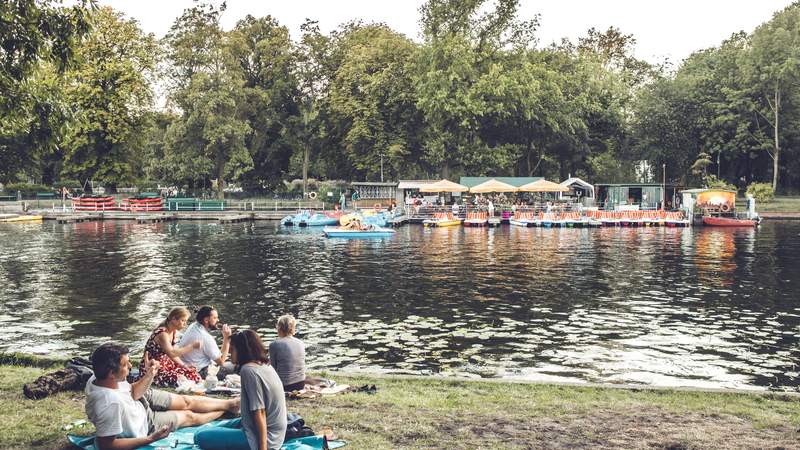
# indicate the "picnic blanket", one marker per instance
pixel 183 439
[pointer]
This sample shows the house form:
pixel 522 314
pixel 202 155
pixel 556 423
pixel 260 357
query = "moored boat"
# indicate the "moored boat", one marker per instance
pixel 442 220
pixel 476 219
pixel 730 222
pixel 369 231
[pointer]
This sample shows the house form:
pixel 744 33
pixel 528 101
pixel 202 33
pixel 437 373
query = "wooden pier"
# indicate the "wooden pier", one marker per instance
pixel 155 219
pixel 76 218
pixel 236 219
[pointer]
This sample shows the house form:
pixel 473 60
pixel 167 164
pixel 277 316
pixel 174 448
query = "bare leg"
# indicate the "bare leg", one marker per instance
pixel 200 404
pixel 190 418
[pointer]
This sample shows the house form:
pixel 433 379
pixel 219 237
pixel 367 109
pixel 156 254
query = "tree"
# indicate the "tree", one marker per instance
pixel 264 55
pixel 773 71
pixel 37 42
pixel 372 101
pixel 463 44
pixel 208 140
pixel 110 94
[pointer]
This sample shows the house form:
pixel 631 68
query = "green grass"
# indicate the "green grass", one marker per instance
pixel 782 203
pixel 409 413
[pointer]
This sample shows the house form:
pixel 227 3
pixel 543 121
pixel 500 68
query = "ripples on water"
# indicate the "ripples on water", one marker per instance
pixel 698 307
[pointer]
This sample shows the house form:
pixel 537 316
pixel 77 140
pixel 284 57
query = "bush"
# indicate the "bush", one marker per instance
pixel 26 189
pixel 762 192
pixel 713 182
pixel 72 185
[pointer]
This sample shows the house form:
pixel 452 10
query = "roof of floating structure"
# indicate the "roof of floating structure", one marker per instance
pixel 543 186
pixel 443 186
pixel 513 181
pixel 493 186
pixel 575 180
pixel 413 184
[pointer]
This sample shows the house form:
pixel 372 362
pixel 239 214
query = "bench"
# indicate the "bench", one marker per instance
pixel 45 196
pixel 8 198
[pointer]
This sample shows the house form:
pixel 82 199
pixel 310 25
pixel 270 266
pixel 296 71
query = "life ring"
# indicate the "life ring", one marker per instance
pixel 312 195
pixel 725 207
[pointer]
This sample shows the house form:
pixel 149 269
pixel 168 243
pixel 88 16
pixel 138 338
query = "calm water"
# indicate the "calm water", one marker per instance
pixel 698 307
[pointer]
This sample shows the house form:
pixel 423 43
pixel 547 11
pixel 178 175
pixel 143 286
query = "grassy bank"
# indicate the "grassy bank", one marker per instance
pixel 433 413
pixel 780 204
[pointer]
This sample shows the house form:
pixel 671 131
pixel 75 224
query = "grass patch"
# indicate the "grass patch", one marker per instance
pixel 410 413
pixel 781 203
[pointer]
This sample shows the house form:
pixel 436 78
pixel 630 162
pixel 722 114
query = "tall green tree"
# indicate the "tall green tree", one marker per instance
pixel 264 55
pixel 463 42
pixel 110 94
pixel 37 43
pixel 772 71
pixel 207 142
pixel 372 102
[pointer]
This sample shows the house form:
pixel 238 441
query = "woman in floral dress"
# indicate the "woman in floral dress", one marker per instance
pixel 161 347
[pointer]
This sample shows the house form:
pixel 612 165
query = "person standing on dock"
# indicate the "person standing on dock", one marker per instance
pixel 207 320
pixel 341 200
pixel 490 208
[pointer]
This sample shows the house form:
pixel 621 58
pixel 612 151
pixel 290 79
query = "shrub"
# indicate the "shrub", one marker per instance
pixel 715 183
pixel 762 192
pixel 72 185
pixel 26 189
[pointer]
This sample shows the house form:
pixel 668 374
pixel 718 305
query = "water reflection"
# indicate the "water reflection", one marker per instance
pixel 699 307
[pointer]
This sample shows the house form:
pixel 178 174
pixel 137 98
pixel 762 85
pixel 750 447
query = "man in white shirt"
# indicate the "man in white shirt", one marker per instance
pixel 207 320
pixel 127 416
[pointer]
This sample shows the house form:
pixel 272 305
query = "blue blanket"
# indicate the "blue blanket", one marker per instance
pixel 183 439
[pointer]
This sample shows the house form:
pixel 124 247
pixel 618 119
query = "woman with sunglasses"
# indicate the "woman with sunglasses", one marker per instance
pixel 263 405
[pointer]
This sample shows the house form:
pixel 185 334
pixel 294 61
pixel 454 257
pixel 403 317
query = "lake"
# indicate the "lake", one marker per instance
pixel 697 307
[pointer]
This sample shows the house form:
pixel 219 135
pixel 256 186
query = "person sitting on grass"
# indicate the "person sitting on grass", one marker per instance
pixel 161 347
pixel 287 354
pixel 263 405
pixel 128 416
pixel 206 320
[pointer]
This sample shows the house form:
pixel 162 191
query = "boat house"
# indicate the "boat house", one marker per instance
pixel 370 193
pixel 634 196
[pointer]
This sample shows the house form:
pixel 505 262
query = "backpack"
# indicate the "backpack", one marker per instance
pixel 296 427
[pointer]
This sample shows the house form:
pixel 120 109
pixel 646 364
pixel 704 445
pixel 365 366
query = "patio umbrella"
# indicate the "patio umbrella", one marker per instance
pixel 492 186
pixel 543 186
pixel 443 186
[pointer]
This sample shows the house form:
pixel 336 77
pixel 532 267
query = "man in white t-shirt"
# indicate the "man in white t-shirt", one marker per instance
pixel 127 416
pixel 207 320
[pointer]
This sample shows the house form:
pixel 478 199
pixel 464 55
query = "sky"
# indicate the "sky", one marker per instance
pixel 663 29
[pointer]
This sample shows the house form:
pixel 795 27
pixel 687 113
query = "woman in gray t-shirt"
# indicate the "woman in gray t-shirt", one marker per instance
pixel 263 405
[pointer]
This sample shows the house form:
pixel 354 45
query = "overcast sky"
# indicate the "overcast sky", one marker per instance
pixel 672 29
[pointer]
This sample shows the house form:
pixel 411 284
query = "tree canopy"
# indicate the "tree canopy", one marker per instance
pixel 89 95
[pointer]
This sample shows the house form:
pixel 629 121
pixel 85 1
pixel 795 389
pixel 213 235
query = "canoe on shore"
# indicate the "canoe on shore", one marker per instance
pixel 21 219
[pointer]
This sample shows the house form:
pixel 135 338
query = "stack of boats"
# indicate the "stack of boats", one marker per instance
pixel 142 204
pixel 93 203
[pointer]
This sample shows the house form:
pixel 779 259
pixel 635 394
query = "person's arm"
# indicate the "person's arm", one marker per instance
pixel 226 344
pixel 163 341
pixel 141 386
pixel 115 443
pixel 260 417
